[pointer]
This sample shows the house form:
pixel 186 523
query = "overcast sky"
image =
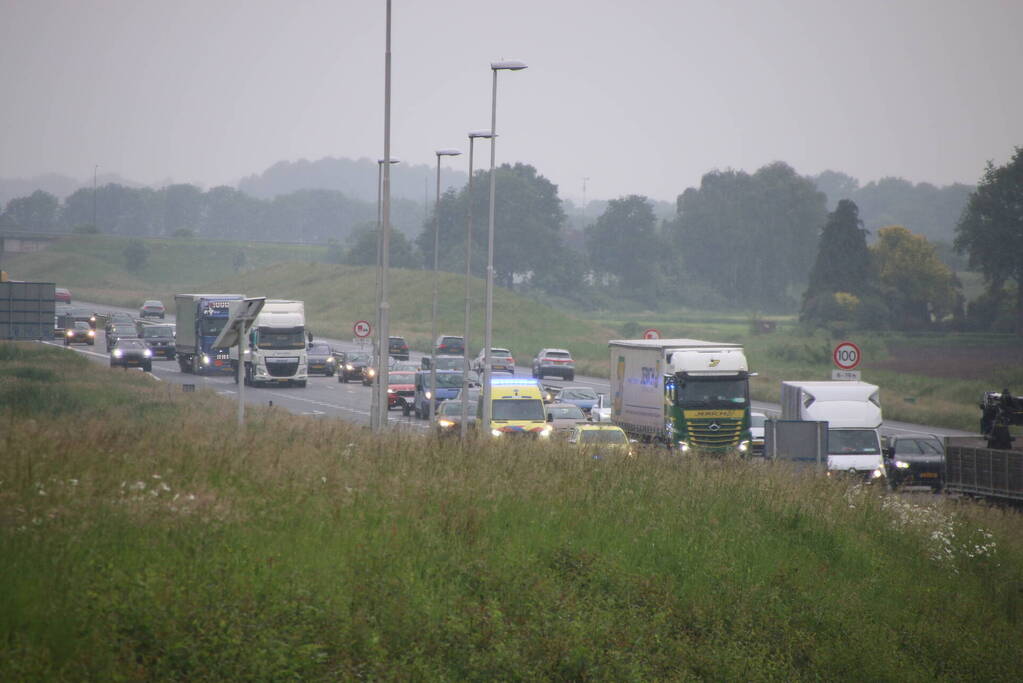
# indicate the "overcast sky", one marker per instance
pixel 640 97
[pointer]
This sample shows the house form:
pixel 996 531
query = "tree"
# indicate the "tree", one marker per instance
pixel 36 212
pixel 991 228
pixel 624 242
pixel 136 254
pixel 843 266
pixel 914 283
pixel 364 251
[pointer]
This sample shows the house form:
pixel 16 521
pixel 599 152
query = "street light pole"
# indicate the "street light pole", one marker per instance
pixel 383 306
pixel 379 270
pixel 489 306
pixel 432 398
pixel 464 426
pixel 95 169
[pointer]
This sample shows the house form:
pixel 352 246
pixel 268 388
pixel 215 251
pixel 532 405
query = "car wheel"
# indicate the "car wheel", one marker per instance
pixel 419 415
pixel 301 383
pixel 330 374
pixel 406 410
pixel 92 343
pixel 148 367
pixel 571 377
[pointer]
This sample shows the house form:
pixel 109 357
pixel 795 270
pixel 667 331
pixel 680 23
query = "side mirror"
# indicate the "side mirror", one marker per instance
pixel 550 417
pixel 309 335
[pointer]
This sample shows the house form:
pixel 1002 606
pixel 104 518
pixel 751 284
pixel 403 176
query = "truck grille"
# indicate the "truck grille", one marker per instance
pixel 281 367
pixel 714 432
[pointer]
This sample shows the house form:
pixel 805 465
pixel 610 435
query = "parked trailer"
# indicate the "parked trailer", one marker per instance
pixel 27 310
pixel 974 469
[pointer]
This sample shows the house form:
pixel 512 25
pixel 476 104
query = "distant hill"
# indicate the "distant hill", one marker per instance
pixel 357 179
pixel 923 208
pixel 56 184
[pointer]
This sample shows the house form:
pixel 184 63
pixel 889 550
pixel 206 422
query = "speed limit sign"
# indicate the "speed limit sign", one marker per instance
pixel 847 355
pixel 362 329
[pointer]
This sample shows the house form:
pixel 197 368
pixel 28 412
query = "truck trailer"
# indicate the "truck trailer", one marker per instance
pixel 853 413
pixel 688 394
pixel 200 319
pixel 27 310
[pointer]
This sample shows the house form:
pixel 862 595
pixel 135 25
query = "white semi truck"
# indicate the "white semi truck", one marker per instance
pixel 690 394
pixel 853 413
pixel 276 349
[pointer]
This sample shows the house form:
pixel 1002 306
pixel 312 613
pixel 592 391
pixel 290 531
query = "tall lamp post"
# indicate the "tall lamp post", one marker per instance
pixel 373 414
pixel 464 426
pixel 510 65
pixel 432 398
pixel 95 169
pixel 383 306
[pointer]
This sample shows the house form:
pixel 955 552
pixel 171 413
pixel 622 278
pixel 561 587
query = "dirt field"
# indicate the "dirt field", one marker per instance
pixel 995 363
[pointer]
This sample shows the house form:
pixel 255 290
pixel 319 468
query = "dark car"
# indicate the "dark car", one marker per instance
pixel 449 418
pixel 119 319
pixel 449 383
pixel 448 345
pixel 321 359
pixel 152 308
pixel 120 331
pixel 160 340
pixel 354 365
pixel 84 315
pixel 131 353
pixel 79 333
pixel 554 362
pixel 915 461
pixel 397 348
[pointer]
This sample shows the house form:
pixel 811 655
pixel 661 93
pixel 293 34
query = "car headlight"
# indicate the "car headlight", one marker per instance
pixel 445 423
pixel 348 367
pixel 371 372
pixel 118 353
pixel 70 333
pixel 683 446
pixel 496 432
pixel 147 353
pixel 390 390
pixel 546 432
pixel 878 473
pixel 743 446
pixel 205 359
pixel 92 333
pixel 902 465
pixel 330 360
pixel 428 395
pixel 92 318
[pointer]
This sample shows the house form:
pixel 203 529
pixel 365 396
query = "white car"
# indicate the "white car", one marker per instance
pixel 602 411
pixel 756 431
pixel 500 359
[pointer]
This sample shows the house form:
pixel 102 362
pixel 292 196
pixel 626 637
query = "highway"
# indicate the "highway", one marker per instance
pixel 326 397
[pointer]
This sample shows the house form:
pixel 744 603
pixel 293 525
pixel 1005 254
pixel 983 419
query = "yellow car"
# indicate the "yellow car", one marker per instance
pixel 598 439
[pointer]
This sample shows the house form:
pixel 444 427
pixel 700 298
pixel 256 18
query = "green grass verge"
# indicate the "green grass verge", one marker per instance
pixel 144 538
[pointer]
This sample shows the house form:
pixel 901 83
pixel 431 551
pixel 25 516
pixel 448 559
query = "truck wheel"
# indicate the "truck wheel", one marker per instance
pixel 301 383
pixel 571 377
pixel 406 410
pixel 148 367
pixel 419 415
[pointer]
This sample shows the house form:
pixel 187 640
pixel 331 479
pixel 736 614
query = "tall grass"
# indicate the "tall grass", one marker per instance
pixel 145 538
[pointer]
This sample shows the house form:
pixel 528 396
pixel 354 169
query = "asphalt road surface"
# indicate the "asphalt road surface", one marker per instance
pixel 326 397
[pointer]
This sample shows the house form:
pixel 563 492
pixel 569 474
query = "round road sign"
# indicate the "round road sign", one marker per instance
pixel 652 334
pixel 847 355
pixel 361 329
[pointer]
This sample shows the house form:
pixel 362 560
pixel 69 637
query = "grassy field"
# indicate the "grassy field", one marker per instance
pixel 933 379
pixel 145 539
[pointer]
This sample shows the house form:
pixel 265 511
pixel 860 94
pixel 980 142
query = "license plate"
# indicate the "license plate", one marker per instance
pixel 928 475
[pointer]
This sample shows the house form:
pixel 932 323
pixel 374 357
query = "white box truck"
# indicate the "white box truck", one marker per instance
pixel 686 393
pixel 853 413
pixel 277 347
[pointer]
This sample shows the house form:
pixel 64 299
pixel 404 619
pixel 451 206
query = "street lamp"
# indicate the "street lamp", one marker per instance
pixel 95 169
pixel 375 394
pixel 436 246
pixel 464 427
pixel 383 306
pixel 510 65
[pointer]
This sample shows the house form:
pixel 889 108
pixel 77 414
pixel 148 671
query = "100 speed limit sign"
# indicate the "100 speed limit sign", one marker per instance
pixel 847 355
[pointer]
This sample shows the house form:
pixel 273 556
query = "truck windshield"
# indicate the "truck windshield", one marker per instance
pixel 853 442
pixel 518 409
pixel 281 338
pixel 211 327
pixel 157 331
pixel 707 391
